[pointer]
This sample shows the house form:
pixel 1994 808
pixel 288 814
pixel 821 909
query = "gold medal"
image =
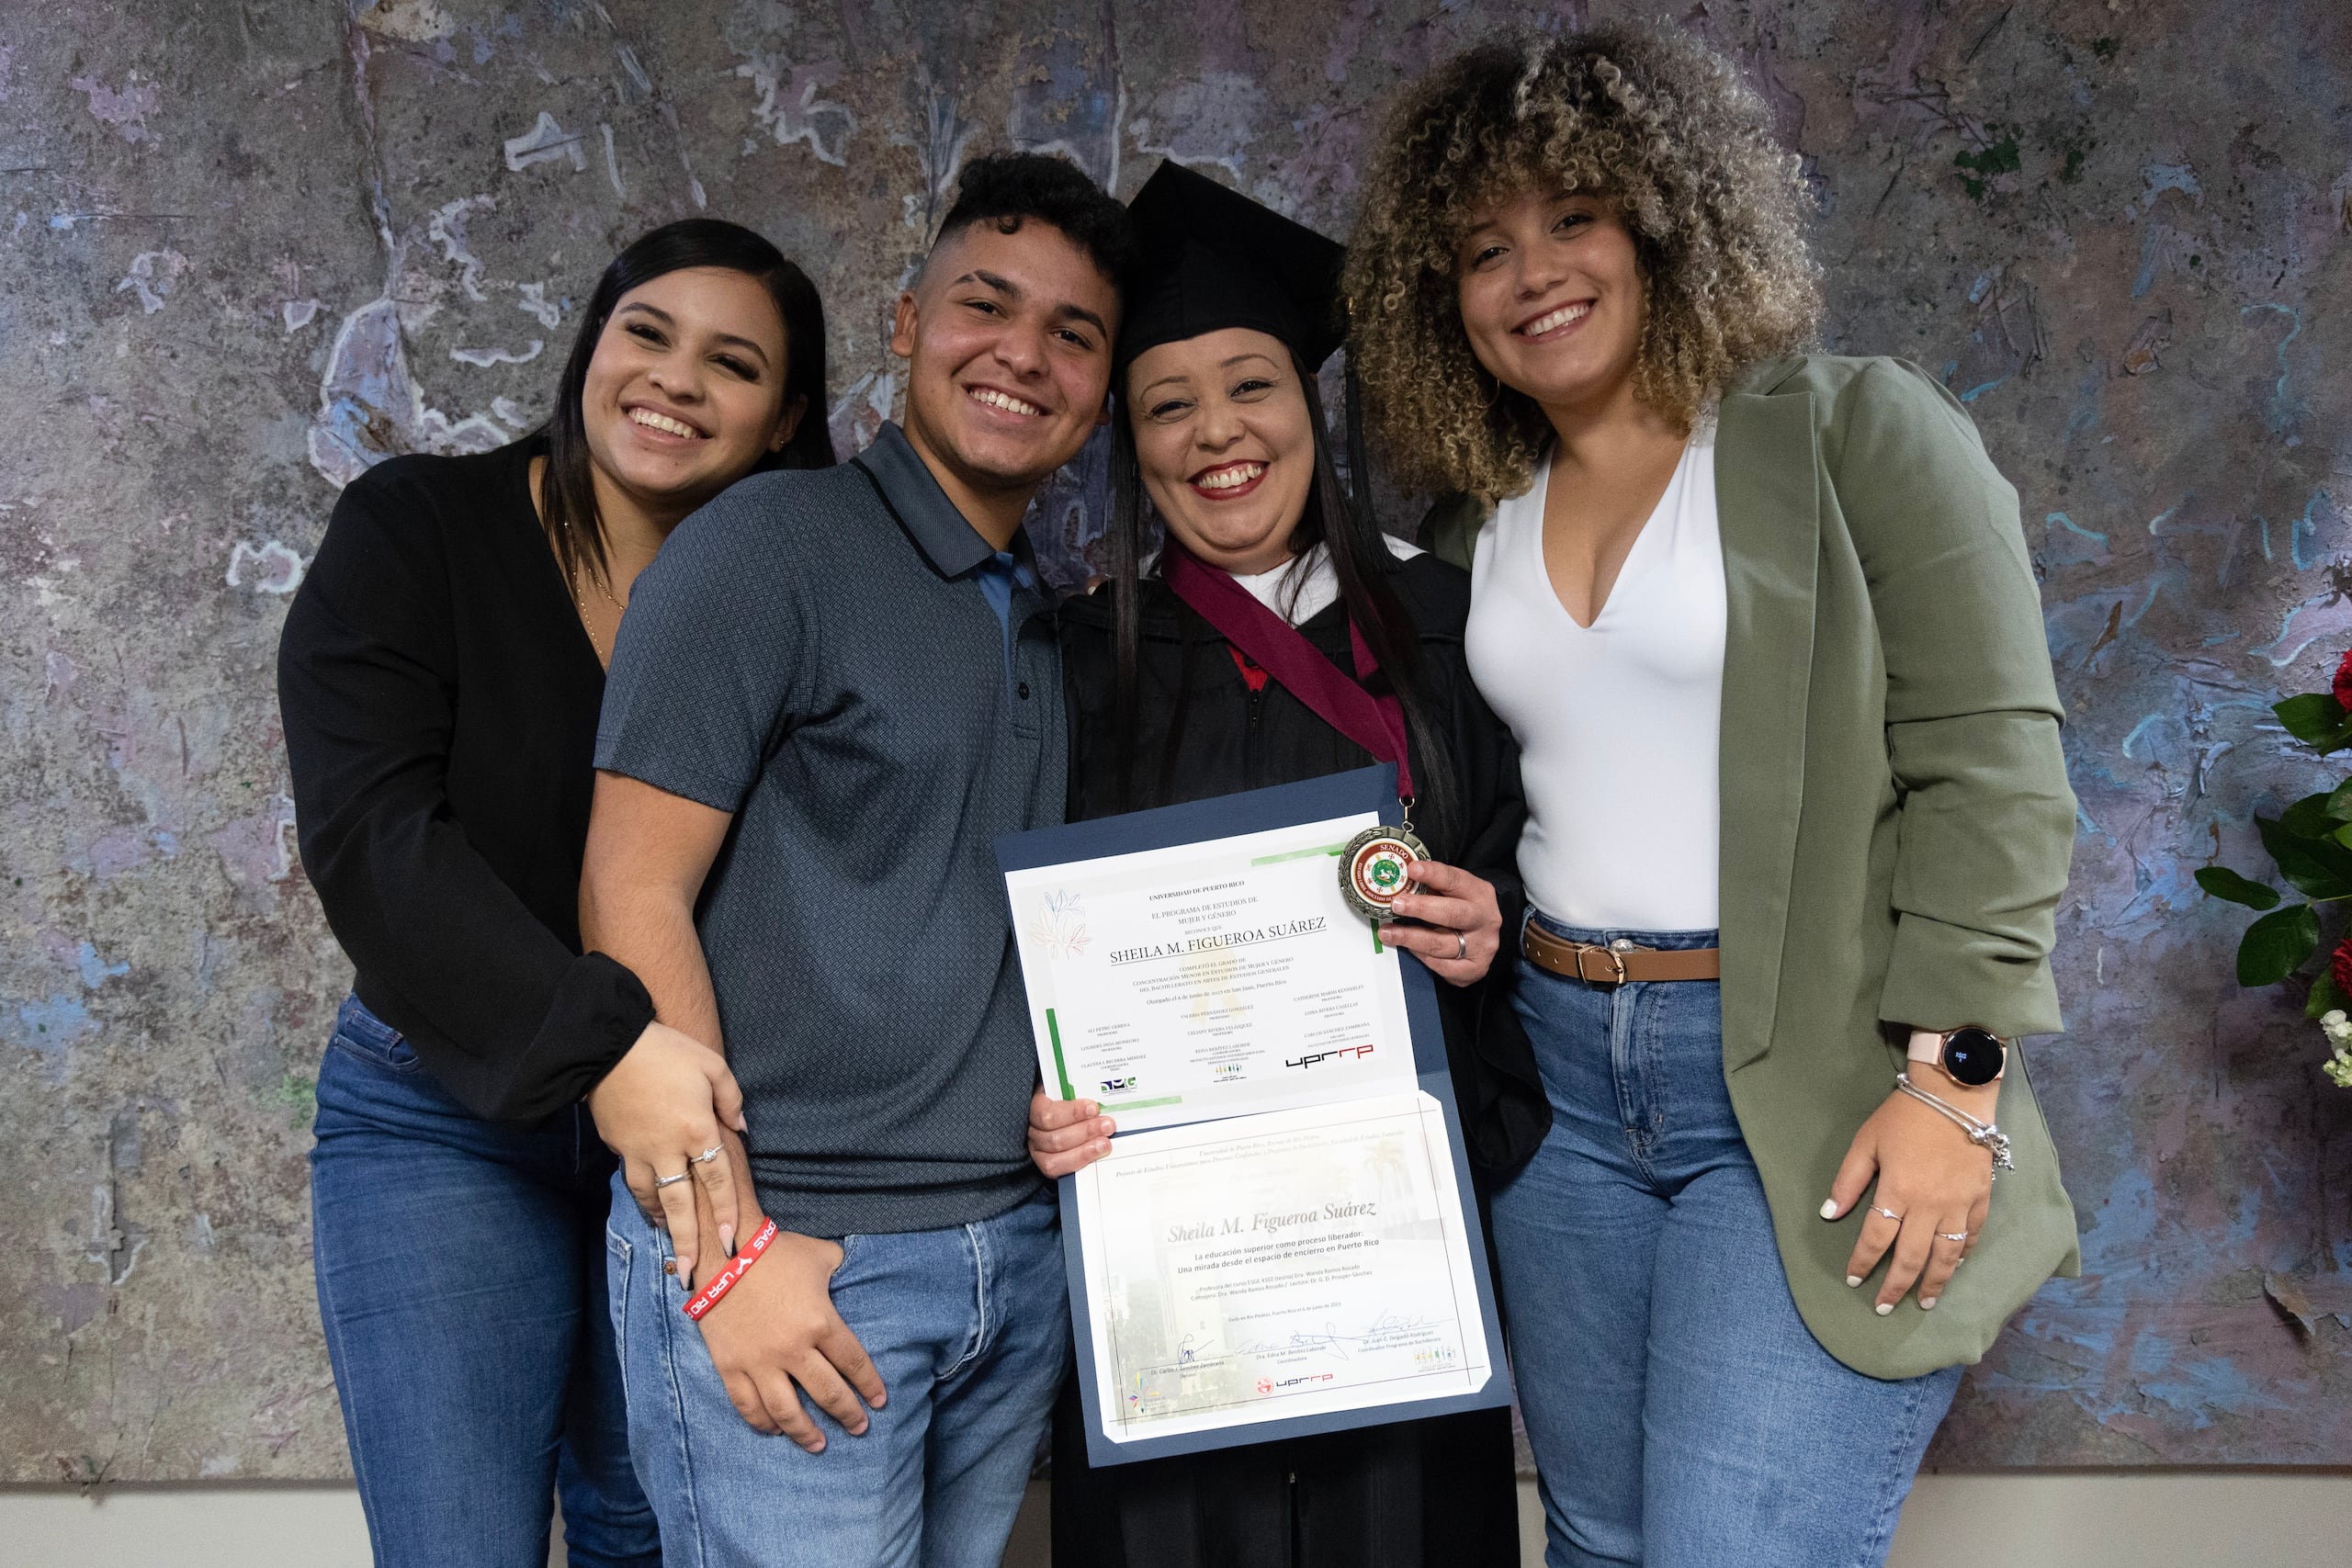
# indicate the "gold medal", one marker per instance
pixel 1374 869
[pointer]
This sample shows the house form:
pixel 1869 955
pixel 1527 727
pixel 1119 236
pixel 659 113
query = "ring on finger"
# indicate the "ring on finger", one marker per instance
pixel 1888 1212
pixel 661 1181
pixel 707 1155
pixel 1461 946
pixel 1951 1235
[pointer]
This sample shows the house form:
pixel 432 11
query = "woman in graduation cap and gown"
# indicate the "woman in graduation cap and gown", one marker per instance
pixel 1219 437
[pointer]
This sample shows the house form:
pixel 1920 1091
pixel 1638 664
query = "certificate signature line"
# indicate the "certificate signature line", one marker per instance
pixel 1335 1342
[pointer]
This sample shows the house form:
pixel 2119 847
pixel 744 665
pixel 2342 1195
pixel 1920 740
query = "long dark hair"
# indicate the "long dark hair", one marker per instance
pixel 1337 517
pixel 567 496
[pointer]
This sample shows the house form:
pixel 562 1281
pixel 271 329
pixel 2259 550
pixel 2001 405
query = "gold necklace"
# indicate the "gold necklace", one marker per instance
pixel 582 599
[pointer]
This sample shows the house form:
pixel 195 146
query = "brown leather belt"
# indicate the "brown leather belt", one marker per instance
pixel 1620 961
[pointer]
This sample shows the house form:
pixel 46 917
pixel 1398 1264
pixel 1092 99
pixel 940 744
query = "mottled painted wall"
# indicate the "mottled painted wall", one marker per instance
pixel 252 247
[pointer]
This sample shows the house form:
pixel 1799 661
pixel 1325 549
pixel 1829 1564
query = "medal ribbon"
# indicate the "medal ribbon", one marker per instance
pixel 1377 723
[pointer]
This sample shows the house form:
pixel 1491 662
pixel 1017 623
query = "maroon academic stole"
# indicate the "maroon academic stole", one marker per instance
pixel 1377 865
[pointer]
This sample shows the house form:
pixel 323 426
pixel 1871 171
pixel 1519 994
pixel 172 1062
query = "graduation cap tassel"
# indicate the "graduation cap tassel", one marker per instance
pixel 1359 457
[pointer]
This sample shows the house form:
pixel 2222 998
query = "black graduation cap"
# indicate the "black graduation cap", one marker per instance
pixel 1212 258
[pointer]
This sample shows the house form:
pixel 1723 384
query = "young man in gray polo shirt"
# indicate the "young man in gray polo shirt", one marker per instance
pixel 828 699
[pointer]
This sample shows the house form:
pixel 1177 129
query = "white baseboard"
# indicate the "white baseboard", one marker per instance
pixel 2155 1518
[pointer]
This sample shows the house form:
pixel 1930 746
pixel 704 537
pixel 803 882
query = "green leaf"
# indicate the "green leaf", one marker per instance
pixel 2327 996
pixel 2316 719
pixel 2319 868
pixel 2275 946
pixel 2223 883
pixel 2339 805
pixel 2309 818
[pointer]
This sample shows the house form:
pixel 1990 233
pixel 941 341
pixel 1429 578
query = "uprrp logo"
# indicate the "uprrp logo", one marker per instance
pixel 1339 1054
pixel 1267 1385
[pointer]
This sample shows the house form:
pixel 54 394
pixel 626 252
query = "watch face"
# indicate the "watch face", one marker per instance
pixel 1974 1056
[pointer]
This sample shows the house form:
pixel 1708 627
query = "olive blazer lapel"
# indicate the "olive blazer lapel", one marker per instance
pixel 1767 501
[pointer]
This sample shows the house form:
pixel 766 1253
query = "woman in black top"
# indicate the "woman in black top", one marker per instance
pixel 1219 421
pixel 440 675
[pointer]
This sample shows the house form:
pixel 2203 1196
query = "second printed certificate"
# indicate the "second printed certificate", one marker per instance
pixel 1279 1240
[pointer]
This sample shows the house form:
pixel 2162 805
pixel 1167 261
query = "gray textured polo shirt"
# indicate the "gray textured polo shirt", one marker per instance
pixel 816 653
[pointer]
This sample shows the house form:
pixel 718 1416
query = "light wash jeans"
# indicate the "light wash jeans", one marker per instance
pixel 462 1289
pixel 1682 1414
pixel 969 1329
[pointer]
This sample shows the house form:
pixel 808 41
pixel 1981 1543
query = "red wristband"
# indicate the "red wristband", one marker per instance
pixel 736 1266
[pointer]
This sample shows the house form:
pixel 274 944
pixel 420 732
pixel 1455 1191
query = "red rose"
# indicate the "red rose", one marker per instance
pixel 2340 967
pixel 2344 682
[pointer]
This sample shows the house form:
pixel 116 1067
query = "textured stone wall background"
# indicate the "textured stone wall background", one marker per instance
pixel 252 247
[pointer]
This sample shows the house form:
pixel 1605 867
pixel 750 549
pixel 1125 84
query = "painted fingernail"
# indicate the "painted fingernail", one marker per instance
pixel 727 1240
pixel 742 1125
pixel 1829 1210
pixel 1852 1279
pixel 1928 1303
pixel 1884 1308
pixel 685 1267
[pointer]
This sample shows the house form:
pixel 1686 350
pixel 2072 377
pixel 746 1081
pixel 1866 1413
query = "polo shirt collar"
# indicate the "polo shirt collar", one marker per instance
pixel 943 534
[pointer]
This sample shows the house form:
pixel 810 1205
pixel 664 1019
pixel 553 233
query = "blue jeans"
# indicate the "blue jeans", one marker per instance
pixel 1682 1414
pixel 459 1275
pixel 968 1327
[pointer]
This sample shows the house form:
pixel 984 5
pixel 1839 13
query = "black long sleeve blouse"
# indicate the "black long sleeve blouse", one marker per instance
pixel 440 697
pixel 1233 739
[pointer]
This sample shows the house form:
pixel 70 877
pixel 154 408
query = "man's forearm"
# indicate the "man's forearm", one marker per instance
pixel 646 855
pixel 652 930
pixel 640 872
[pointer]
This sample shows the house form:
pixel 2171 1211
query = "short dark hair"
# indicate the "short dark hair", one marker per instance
pixel 1009 189
pixel 568 496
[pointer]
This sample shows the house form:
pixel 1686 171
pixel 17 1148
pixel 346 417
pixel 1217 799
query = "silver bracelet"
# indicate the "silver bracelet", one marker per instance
pixel 1983 1135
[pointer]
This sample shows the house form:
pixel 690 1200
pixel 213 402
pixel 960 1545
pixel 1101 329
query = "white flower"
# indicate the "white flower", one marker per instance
pixel 2338 1066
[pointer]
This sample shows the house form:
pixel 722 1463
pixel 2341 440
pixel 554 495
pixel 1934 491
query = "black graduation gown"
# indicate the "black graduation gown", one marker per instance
pixel 1435 1492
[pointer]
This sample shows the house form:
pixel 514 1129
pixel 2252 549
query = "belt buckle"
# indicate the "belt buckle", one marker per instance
pixel 1616 962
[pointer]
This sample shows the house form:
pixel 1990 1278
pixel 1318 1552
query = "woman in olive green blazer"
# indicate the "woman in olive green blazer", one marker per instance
pixel 1800 594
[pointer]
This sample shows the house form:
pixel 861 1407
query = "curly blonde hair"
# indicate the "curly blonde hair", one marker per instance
pixel 1655 124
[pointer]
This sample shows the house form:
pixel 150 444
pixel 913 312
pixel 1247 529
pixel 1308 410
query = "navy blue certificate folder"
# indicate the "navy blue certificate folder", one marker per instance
pixel 1338 795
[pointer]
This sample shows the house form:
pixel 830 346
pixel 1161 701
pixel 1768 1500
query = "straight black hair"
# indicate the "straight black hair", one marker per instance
pixel 1337 517
pixel 568 496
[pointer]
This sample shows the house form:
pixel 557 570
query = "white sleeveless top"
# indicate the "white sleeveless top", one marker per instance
pixel 1618 723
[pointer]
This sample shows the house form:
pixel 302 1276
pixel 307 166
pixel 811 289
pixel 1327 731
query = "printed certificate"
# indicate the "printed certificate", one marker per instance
pixel 1210 980
pixel 1297 1263
pixel 1280 1242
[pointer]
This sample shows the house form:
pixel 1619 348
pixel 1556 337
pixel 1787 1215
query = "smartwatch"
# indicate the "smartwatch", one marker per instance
pixel 1971 1056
